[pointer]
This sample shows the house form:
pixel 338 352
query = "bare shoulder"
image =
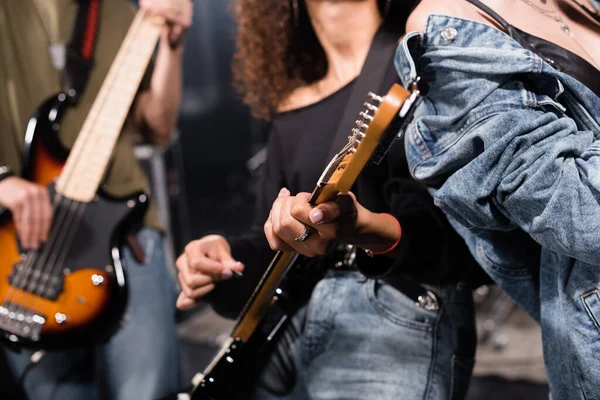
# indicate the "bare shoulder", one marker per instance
pixel 456 8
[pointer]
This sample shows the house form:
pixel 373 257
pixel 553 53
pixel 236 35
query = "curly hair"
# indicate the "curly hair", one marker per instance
pixel 273 56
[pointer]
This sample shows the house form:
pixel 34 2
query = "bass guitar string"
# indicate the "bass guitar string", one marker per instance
pixel 24 272
pixel 72 221
pixel 31 301
pixel 66 224
pixel 22 275
pixel 35 259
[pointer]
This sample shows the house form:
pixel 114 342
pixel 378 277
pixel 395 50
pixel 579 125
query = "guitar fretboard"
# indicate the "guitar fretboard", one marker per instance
pixel 92 150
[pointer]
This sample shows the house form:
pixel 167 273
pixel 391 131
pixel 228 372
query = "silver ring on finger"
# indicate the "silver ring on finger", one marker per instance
pixel 308 230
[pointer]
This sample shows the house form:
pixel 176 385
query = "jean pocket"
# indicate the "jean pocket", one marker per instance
pixel 591 302
pixel 462 370
pixel 398 308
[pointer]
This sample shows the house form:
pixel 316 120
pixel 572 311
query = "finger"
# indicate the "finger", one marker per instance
pixel 35 224
pixel 175 33
pixel 290 228
pixel 181 262
pixel 276 209
pixel 25 228
pixel 174 12
pixel 182 16
pixel 191 281
pixel 228 262
pixel 47 214
pixel 215 261
pixel 274 241
pixel 233 269
pixel 196 294
pixel 347 203
pixel 325 213
pixel 205 265
pixel 300 208
pixel 184 302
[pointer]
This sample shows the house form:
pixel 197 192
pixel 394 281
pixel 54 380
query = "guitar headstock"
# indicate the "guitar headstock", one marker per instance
pixel 381 121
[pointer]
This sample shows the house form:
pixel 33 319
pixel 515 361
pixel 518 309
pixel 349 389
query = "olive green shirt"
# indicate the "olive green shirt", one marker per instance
pixel 28 77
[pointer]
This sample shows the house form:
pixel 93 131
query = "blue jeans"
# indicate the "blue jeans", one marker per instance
pixel 141 361
pixel 362 339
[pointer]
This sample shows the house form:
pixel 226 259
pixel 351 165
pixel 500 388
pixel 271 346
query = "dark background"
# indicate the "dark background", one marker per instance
pixel 218 135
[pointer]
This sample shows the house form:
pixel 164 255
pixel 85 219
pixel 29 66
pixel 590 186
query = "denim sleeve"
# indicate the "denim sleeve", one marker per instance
pixel 502 138
pixel 528 166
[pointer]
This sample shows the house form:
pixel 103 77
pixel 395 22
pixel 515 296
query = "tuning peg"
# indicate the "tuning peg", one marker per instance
pixel 370 107
pixel 361 124
pixel 357 132
pixel 366 116
pixel 376 98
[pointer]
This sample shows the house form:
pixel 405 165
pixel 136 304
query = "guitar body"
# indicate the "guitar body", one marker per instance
pixel 73 290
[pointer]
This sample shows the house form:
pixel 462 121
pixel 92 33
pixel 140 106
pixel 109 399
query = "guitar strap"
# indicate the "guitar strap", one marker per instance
pixel 371 78
pixel 80 50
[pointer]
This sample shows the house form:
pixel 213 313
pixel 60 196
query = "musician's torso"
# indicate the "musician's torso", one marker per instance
pixel 300 152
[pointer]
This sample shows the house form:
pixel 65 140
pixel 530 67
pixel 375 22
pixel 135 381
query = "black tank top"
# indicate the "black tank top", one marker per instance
pixel 560 58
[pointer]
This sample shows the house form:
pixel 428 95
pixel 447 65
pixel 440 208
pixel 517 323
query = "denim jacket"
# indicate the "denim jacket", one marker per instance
pixel 510 148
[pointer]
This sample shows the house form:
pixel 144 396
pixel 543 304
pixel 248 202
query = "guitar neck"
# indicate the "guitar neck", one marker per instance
pixel 338 177
pixel 90 156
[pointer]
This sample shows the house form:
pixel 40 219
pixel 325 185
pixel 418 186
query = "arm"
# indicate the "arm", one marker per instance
pixel 542 176
pixel 156 109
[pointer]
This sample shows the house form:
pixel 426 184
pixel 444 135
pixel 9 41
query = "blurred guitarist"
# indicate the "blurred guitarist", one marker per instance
pixel 141 361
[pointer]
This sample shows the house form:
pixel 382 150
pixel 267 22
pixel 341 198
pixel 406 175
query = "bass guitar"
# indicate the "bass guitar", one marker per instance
pixel 72 290
pixel 272 304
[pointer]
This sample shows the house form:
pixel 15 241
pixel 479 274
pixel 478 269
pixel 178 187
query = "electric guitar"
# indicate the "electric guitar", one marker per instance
pixel 72 290
pixel 272 304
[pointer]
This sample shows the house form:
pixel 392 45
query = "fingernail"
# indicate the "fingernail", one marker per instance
pixel 226 274
pixel 283 192
pixel 317 216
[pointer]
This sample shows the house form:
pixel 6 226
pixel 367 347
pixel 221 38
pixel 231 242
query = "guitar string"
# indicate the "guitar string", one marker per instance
pixel 73 220
pixel 24 272
pixel 68 222
pixel 71 228
pixel 22 303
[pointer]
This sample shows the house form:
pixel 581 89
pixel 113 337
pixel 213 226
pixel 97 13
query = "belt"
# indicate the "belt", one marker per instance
pixel 347 257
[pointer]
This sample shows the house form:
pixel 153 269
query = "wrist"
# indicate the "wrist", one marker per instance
pixel 386 233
